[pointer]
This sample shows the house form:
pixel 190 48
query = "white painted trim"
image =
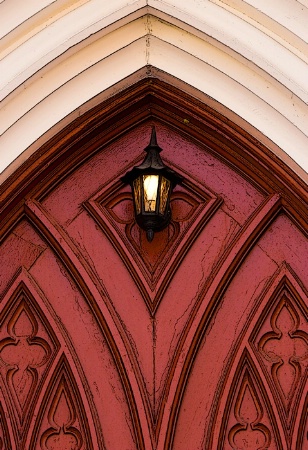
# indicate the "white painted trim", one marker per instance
pixel 60 59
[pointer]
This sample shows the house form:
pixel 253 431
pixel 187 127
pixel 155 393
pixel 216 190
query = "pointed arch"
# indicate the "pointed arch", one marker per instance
pixel 62 418
pixel 278 195
pixel 247 416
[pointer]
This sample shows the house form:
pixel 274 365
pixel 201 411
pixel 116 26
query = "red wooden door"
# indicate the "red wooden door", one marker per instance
pixel 198 340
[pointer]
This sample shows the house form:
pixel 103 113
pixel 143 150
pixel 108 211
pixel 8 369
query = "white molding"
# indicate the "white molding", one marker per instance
pixel 249 59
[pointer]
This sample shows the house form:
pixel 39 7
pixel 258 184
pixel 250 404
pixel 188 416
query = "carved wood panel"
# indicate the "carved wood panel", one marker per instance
pixel 198 340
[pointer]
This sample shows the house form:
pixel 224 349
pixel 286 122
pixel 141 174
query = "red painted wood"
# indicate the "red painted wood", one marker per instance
pixel 198 340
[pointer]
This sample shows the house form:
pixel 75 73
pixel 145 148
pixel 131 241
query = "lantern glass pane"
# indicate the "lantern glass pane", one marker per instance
pixel 137 194
pixel 164 193
pixel 150 185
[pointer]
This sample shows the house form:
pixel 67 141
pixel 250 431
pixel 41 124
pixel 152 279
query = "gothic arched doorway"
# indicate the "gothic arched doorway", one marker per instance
pixel 195 341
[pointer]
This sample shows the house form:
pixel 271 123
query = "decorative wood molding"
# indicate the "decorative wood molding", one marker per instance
pixel 209 299
pixel 5 433
pixel 280 342
pixel 62 420
pixel 28 347
pixel 248 419
pixel 273 397
pixel 152 266
pixel 82 275
pixel 146 100
pixel 283 289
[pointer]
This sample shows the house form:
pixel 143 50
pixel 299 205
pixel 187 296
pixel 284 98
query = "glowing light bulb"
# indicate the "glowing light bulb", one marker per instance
pixel 150 183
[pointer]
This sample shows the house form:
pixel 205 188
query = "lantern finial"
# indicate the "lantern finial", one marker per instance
pixel 153 141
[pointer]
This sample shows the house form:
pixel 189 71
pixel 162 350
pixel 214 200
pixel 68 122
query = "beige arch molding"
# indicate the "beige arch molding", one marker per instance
pixel 60 58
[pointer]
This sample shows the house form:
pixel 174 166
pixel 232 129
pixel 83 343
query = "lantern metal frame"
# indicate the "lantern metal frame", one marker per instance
pixel 152 215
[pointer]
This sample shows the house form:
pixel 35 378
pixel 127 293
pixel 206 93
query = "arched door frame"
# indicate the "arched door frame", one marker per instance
pixel 147 100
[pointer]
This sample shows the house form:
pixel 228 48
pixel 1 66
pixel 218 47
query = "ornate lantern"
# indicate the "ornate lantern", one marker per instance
pixel 152 183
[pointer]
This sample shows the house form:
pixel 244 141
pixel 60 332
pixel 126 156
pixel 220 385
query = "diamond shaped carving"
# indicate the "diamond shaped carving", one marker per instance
pixel 28 346
pixel 280 342
pixel 152 264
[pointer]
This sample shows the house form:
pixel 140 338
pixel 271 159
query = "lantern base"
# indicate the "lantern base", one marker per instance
pixel 153 223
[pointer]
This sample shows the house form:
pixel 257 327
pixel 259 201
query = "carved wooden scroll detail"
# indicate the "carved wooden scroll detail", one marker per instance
pixel 62 421
pixel 27 349
pixel 151 264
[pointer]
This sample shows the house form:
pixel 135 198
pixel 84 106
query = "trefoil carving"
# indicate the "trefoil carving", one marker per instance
pixel 62 422
pixel 27 349
pixel 62 416
pixel 249 431
pixel 285 348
